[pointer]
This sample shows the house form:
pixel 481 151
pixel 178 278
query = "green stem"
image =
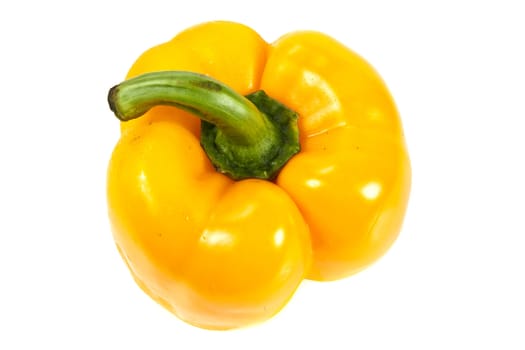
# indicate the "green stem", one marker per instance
pixel 252 136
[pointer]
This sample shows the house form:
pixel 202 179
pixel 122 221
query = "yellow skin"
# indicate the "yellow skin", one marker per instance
pixel 223 254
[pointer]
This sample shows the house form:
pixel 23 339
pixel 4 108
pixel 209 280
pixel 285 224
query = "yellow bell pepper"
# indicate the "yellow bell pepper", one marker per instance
pixel 299 169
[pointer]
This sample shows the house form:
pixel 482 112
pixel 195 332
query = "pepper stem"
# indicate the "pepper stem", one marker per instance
pixel 244 137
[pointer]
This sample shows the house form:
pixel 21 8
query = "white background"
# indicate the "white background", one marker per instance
pixel 453 280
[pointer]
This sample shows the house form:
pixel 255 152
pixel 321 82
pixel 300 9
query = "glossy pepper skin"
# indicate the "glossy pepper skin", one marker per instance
pixel 221 253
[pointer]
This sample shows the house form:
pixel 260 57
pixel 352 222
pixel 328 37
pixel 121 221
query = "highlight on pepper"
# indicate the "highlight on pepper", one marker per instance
pixel 244 167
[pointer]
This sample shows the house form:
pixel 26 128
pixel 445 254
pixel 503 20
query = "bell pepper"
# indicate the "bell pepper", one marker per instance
pixel 244 167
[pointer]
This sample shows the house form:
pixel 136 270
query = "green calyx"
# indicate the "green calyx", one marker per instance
pixel 244 137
